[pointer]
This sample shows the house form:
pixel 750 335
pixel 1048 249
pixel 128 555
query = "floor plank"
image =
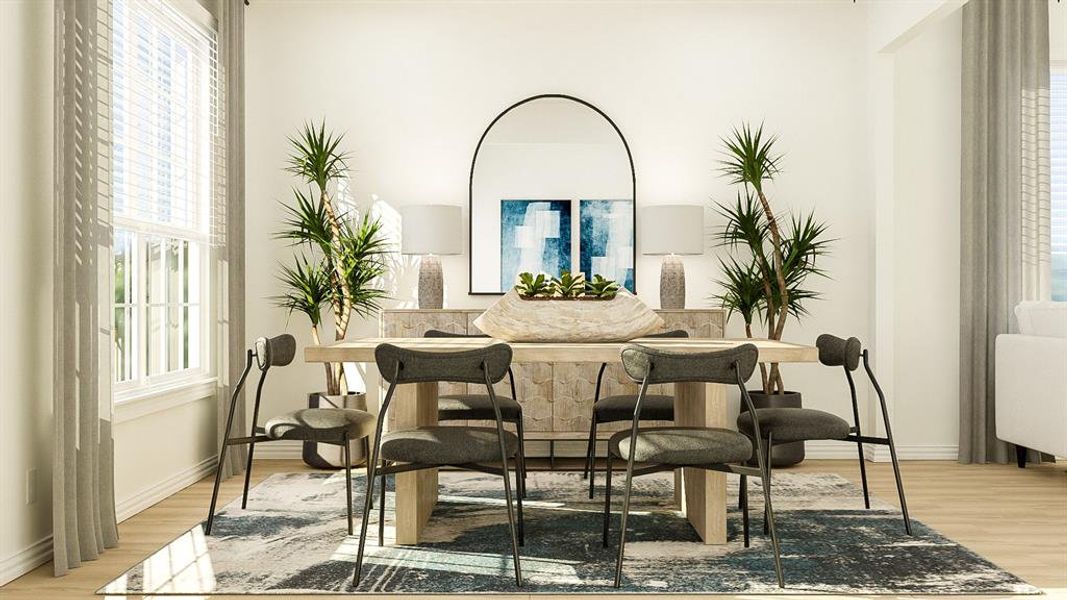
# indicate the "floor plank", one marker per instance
pixel 1016 518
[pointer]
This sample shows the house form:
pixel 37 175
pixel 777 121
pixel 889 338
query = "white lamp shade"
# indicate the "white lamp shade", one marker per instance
pixel 431 229
pixel 672 229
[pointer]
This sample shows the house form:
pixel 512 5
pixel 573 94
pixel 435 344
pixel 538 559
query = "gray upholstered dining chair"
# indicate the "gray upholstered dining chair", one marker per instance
pixel 339 426
pixel 620 407
pixel 785 425
pixel 668 448
pixel 479 407
pixel 474 448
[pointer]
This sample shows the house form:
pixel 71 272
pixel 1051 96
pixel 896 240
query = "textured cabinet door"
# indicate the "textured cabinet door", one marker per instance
pixel 555 397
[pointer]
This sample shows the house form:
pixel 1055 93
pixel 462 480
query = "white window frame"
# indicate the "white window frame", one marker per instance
pixel 150 393
pixel 1058 68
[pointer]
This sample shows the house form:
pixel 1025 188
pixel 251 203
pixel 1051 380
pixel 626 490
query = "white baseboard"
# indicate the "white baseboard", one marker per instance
pixel 40 552
pixel 25 560
pixel 130 506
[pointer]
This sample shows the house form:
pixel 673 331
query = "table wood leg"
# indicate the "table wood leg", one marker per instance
pixel 703 492
pixel 416 491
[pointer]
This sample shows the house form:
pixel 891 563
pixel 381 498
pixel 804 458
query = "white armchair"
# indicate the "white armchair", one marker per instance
pixel 1031 380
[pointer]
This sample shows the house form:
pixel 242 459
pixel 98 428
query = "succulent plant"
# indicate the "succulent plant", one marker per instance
pixel 568 285
pixel 531 286
pixel 601 287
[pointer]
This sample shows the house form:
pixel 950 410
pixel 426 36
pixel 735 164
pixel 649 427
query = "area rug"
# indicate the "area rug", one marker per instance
pixel 292 540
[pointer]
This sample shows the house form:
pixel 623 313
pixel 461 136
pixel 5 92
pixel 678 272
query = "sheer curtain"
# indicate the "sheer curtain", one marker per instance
pixel 83 481
pixel 83 504
pixel 230 226
pixel 1005 197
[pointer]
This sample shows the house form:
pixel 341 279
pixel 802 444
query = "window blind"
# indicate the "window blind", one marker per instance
pixel 165 119
pixel 1058 123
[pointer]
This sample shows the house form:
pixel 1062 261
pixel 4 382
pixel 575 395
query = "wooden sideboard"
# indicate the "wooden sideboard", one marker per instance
pixel 557 398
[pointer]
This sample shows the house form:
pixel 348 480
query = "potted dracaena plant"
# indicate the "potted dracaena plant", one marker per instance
pixel 339 260
pixel 764 278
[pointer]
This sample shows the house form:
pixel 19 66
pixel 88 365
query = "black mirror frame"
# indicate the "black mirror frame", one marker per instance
pixel 474 162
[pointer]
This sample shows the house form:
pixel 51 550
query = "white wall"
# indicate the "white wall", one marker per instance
pixel 26 248
pixel 926 269
pixel 415 84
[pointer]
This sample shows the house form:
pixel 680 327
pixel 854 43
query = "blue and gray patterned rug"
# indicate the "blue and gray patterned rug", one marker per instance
pixel 292 540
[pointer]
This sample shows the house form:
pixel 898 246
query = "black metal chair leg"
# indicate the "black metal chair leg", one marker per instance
pixel 521 485
pixel 366 517
pixel 381 505
pixel 590 457
pixel 511 521
pixel 518 503
pixel 348 482
pixel 248 473
pixel 766 483
pixel 215 490
pixel 900 486
pixel 590 448
pixel 366 459
pixel 625 513
pixel 607 500
pixel 863 476
pixel 743 502
pixel 774 535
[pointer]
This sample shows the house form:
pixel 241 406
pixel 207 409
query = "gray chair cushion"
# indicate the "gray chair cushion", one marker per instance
pixel 446 445
pixel 321 425
pixel 621 408
pixel 796 424
pixel 459 407
pixel 683 446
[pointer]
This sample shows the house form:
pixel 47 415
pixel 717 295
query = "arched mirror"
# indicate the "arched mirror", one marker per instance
pixel 552 188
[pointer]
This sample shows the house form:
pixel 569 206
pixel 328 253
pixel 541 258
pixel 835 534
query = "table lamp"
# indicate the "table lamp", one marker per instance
pixel 431 230
pixel 672 230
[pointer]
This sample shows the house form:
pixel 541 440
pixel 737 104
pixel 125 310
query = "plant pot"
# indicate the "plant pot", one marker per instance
pixel 331 456
pixel 782 455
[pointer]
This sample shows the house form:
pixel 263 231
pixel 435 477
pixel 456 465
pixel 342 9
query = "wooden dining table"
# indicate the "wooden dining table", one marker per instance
pixel 702 494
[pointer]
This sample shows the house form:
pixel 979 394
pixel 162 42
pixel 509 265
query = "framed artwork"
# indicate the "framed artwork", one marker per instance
pixel 535 236
pixel 539 236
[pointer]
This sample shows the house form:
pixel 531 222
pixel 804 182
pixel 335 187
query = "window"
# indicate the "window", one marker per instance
pixel 163 154
pixel 1058 114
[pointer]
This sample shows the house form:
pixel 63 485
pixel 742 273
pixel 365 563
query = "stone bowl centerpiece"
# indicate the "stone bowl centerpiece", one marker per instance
pixel 568 309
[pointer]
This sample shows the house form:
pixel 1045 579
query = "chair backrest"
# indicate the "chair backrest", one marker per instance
pixel 676 333
pixel 839 352
pixel 401 365
pixel 277 351
pixel 437 333
pixel 653 365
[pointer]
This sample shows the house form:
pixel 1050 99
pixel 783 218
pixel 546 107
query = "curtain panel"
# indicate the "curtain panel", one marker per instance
pixel 1005 198
pixel 83 502
pixel 230 222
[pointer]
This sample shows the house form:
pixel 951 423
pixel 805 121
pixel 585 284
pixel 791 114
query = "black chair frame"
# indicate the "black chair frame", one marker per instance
pixel 391 469
pixel 519 431
pixel 856 436
pixel 258 435
pixel 589 471
pixel 745 471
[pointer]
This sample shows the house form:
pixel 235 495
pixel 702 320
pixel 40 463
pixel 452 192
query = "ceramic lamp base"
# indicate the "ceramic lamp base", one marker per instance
pixel 431 283
pixel 672 283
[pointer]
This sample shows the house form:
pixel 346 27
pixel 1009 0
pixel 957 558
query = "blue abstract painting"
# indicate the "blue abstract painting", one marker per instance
pixel 535 236
pixel 607 240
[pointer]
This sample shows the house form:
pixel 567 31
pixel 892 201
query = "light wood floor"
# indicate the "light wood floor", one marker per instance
pixel 1016 518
